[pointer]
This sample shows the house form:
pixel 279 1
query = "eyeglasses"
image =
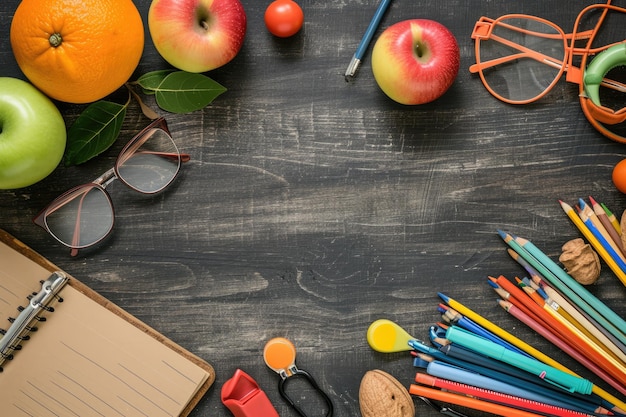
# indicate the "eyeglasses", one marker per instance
pixel 84 215
pixel 520 58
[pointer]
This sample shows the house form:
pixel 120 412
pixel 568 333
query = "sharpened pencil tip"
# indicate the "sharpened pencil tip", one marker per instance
pixel 444 297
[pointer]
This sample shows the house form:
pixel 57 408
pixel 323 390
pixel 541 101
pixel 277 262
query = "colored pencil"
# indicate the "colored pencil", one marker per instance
pixel 601 237
pixel 587 210
pixel 469 402
pixel 495 396
pixel 542 311
pixel 506 373
pixel 536 309
pixel 583 359
pixel 608 362
pixel 453 373
pixel 505 295
pixel 605 338
pixel 531 292
pixel 564 278
pixel 612 218
pixel 454 317
pixel 569 211
pixel 608 226
pixel 567 285
pixel 555 298
pixel 534 289
pixel 355 62
pixel 525 347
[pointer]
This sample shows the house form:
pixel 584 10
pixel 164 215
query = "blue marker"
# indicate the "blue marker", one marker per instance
pixel 546 372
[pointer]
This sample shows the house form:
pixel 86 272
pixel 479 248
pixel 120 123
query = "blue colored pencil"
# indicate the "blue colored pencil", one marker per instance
pixel 530 252
pixel 454 373
pixel 454 317
pixel 367 37
pixel 506 373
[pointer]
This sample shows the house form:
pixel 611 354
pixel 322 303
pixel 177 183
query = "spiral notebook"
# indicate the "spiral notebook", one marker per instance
pixel 78 354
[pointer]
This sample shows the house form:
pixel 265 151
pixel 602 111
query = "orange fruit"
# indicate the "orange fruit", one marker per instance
pixel 77 51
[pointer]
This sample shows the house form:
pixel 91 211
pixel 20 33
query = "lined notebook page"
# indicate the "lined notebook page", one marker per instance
pixel 85 360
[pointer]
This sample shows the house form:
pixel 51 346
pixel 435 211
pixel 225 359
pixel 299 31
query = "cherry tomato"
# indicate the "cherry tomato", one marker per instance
pixel 283 18
pixel 619 176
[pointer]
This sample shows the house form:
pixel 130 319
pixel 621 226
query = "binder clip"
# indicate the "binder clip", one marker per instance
pixel 243 397
pixel 280 356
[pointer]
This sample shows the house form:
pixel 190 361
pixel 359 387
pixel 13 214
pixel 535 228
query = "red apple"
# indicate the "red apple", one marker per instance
pixel 415 61
pixel 197 35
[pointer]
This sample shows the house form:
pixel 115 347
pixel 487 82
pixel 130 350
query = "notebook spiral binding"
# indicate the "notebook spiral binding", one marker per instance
pixel 24 323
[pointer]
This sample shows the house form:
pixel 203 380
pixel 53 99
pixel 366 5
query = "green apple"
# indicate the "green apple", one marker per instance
pixel 32 134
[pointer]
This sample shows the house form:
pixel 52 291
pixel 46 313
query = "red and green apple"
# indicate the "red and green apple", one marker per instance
pixel 197 35
pixel 415 61
pixel 32 134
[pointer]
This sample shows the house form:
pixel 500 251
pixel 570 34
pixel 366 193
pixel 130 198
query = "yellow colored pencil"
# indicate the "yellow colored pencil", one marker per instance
pixel 520 344
pixel 565 305
pixel 591 215
pixel 593 241
pixel 612 218
pixel 606 222
pixel 608 362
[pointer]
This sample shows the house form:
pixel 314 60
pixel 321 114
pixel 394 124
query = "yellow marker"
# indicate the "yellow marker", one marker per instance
pixel 386 336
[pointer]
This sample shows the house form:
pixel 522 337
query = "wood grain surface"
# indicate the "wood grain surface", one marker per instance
pixel 312 206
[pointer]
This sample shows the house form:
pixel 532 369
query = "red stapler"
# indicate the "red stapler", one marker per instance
pixel 243 397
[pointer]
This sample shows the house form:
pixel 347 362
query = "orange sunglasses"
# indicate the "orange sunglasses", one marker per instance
pixel 520 58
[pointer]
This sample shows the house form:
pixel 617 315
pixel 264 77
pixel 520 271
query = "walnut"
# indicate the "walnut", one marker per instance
pixel 580 261
pixel 381 395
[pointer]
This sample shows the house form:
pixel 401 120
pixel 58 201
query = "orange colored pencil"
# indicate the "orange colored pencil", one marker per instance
pixel 564 331
pixel 469 402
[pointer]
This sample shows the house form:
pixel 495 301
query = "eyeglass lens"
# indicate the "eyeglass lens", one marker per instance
pixel 535 53
pixel 85 216
pixel 150 164
pixel 82 218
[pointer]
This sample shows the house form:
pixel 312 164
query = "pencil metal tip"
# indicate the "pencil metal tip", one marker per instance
pixel 352 68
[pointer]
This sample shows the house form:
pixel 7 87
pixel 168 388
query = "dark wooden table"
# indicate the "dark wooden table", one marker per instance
pixel 313 206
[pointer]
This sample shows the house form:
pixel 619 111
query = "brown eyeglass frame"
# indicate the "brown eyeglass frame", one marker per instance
pixel 102 181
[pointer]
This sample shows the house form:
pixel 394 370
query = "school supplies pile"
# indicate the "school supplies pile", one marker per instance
pixel 477 364
pixel 602 230
pixel 472 362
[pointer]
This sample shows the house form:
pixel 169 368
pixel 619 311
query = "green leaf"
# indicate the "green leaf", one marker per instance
pixel 185 92
pixel 151 81
pixel 94 131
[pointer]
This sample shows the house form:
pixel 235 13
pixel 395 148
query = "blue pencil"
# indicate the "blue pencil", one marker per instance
pixel 530 253
pixel 453 373
pixel 506 373
pixel 454 317
pixel 367 37
pixel 593 229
